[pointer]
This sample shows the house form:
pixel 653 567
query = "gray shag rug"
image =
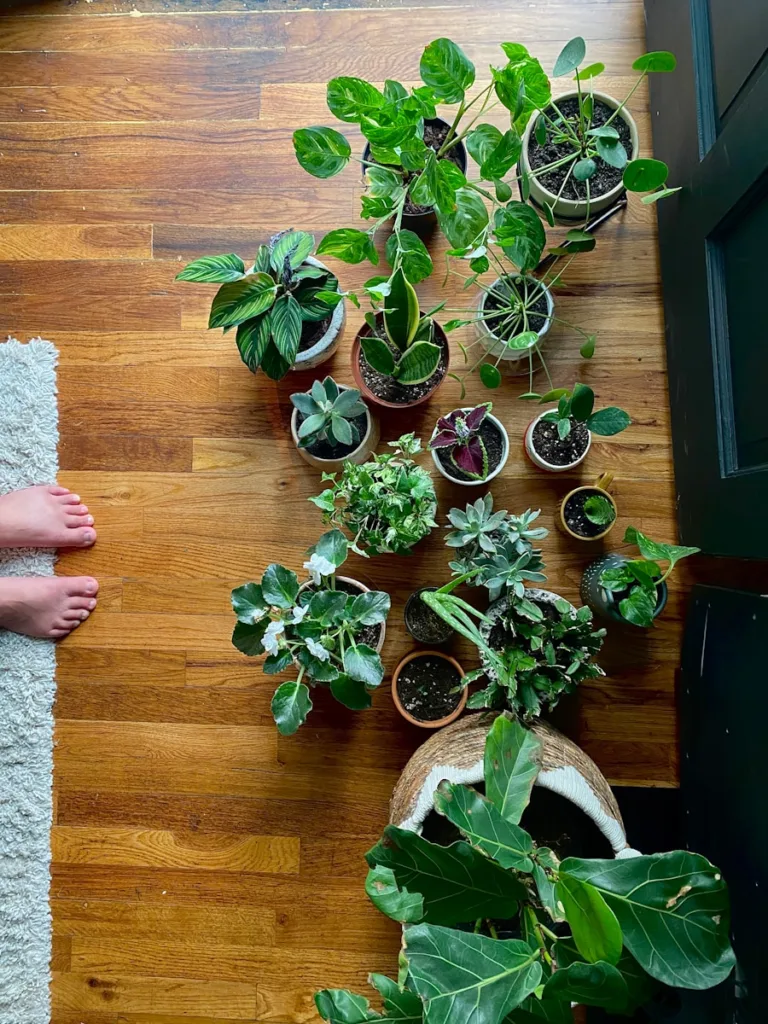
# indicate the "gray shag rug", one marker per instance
pixel 29 437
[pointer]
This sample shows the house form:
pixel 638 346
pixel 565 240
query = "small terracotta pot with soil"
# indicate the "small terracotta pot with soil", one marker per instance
pixel 427 690
pixel 605 186
pixel 423 218
pixel 386 391
pixel 540 308
pixel 424 625
pixel 574 520
pixel 330 458
pixel 494 436
pixel 373 636
pixel 320 338
pixel 548 451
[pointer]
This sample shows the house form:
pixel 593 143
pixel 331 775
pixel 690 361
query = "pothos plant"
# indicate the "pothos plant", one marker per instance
pixel 315 629
pixel 269 301
pixel 388 504
pixel 498 930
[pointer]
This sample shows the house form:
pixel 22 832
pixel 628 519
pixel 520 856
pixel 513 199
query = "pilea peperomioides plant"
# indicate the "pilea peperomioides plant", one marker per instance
pixel 498 930
pixel 320 629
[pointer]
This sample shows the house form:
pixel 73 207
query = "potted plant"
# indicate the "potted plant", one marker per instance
pixel 421 622
pixel 498 929
pixel 287 307
pixel 399 356
pixel 388 504
pixel 580 152
pixel 428 689
pixel 470 446
pixel 628 590
pixel 330 629
pixel 589 512
pixel 558 440
pixel 331 424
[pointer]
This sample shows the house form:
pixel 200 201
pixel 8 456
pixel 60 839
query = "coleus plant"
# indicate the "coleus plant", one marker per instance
pixel 578 406
pixel 638 579
pixel 329 414
pixel 499 930
pixel 313 629
pixel 458 433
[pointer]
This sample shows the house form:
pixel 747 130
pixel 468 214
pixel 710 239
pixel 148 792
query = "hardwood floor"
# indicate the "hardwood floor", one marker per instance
pixel 205 869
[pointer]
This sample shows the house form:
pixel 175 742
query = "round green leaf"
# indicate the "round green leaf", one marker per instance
pixel 582 402
pixel 609 421
pixel 527 339
pixel 247 601
pixel 351 693
pixel 219 269
pixel 371 608
pixel 490 375
pixel 584 169
pixel 333 545
pixel 290 706
pixel 349 99
pixel 656 60
pixel 482 141
pixel 447 70
pixel 571 55
pixel 280 586
pixel 247 636
pixel 612 151
pixel 591 71
pixel 645 175
pixel 321 151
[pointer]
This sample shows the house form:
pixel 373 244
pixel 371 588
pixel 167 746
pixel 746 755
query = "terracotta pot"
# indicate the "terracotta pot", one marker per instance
pixel 576 209
pixel 409 604
pixel 441 339
pixel 605 602
pixel 358 455
pixel 440 722
pixel 541 463
pixel 510 360
pixel 495 472
pixel 325 347
pixel 363 590
pixel 601 486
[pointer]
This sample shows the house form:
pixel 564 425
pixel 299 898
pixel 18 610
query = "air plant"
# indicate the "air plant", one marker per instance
pixel 458 433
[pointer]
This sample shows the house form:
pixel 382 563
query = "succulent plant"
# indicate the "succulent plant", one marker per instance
pixel 458 433
pixel 330 414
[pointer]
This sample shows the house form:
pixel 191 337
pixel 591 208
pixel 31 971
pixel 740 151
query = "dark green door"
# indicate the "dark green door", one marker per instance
pixel 710 124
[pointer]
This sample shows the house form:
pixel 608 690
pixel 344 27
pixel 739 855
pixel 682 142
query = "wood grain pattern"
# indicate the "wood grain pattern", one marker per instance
pixel 204 869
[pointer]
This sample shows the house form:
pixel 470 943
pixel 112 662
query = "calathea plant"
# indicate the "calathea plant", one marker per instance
pixel 330 414
pixel 388 504
pixel 458 433
pixel 499 930
pixel 270 301
pixel 318 629
pixel 578 406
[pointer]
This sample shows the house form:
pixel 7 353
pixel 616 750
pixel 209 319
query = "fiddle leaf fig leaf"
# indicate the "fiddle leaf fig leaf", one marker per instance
pixel 341 1007
pixel 595 928
pixel 484 826
pixel 399 1004
pixel 594 984
pixel 398 904
pixel 512 762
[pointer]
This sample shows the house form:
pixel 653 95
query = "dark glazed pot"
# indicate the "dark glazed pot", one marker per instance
pixel 605 603
pixel 410 607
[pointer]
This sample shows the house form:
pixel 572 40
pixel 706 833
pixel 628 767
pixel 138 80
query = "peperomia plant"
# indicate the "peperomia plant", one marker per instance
pixel 318 629
pixel 330 414
pixel 599 510
pixel 638 579
pixel 500 930
pixel 388 504
pixel 458 433
pixel 578 406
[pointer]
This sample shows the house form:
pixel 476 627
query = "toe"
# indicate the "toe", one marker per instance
pixel 81 537
pixel 74 616
pixel 70 499
pixel 82 603
pixel 58 491
pixel 75 519
pixel 76 510
pixel 57 634
pixel 82 586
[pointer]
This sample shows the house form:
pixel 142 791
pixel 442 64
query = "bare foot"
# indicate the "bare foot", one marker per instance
pixel 44 517
pixel 46 606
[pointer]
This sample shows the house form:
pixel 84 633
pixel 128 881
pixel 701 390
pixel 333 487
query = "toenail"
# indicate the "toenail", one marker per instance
pixel 75 497
pixel 89 520
pixel 89 535
pixel 92 604
pixel 90 588
pixel 84 614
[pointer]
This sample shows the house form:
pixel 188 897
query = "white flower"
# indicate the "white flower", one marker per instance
pixel 319 566
pixel 317 649
pixel 298 614
pixel 270 641
pixel 258 614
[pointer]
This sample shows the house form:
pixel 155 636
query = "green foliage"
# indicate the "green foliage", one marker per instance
pixel 621 927
pixel 314 629
pixel 578 406
pixel 636 581
pixel 329 414
pixel 600 510
pixel 269 302
pixel 388 504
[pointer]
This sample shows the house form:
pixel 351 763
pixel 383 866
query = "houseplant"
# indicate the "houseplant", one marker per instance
pixel 287 307
pixel 470 446
pixel 329 629
pixel 589 512
pixel 632 590
pixel 499 930
pixel 558 440
pixel 580 151
pixel 399 357
pixel 427 689
pixel 421 622
pixel 388 504
pixel 330 424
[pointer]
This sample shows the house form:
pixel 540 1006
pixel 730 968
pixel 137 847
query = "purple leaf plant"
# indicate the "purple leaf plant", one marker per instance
pixel 459 434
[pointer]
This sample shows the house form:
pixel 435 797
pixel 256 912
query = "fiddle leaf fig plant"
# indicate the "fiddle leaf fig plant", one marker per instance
pixel 270 301
pixel 317 629
pixel 509 933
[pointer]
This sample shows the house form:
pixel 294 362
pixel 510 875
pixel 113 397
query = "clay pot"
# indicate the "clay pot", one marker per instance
pixel 440 722
pixel 440 339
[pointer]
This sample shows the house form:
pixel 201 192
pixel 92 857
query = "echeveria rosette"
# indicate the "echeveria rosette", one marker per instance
pixel 459 434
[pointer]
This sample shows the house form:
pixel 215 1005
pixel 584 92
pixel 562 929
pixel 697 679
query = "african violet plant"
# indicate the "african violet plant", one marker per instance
pixel 388 504
pixel 314 628
pixel 270 301
pixel 330 414
pixel 499 930
pixel 458 434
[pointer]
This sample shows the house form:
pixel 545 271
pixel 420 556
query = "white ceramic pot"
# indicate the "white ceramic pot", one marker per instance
pixel 504 455
pixel 537 460
pixel 363 590
pixel 324 348
pixel 359 455
pixel 576 209
pixel 510 360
